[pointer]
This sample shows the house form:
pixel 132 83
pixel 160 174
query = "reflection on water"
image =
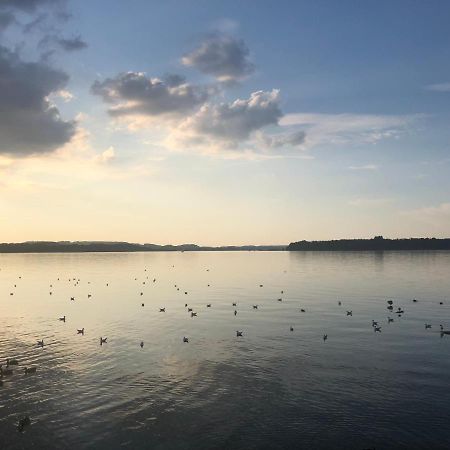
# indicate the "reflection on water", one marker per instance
pixel 272 388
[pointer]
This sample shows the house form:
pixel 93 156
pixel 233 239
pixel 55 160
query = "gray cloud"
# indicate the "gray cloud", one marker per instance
pixel 26 5
pixel 232 123
pixel 293 139
pixel 29 123
pixel 6 19
pixel 72 44
pixel 134 93
pixel 222 56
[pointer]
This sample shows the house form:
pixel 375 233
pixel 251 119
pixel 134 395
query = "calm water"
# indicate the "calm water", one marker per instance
pixel 271 388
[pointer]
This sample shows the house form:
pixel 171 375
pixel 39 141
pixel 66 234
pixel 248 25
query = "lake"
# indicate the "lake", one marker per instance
pixel 272 388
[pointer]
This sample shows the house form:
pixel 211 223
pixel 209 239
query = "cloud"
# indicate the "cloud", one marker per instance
pixel 364 167
pixel 72 44
pixel 430 213
pixel 26 5
pixel 344 129
pixel 229 124
pixel 294 139
pixel 105 157
pixel 370 202
pixel 133 93
pixel 439 87
pixel 6 19
pixel 29 122
pixel 222 56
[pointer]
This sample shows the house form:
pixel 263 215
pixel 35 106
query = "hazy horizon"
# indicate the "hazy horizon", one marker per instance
pixel 251 123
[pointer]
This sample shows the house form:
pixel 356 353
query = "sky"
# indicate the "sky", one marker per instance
pixel 224 122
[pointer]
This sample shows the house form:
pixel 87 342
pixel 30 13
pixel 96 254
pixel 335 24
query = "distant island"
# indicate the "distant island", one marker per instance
pixel 101 246
pixel 378 243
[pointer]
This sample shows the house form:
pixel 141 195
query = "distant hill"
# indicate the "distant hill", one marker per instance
pixel 101 246
pixel 377 243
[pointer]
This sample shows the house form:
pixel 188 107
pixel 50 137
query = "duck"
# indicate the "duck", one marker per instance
pixel 185 305
pixel 29 370
pixel 12 362
pixel 239 333
pixel 260 285
pixel 89 295
pixel 103 340
pixel 162 309
pixel 142 293
pixel 185 292
pixel 80 331
pixel 5 372
pixel 62 319
pixel 23 422
pixel 185 339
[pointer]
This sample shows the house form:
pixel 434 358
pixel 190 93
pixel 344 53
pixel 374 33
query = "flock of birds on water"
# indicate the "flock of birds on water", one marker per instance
pixel 12 363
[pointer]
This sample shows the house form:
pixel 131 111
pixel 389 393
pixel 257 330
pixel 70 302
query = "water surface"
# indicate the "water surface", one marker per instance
pixel 271 388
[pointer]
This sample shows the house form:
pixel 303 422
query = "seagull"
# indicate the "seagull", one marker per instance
pixel 80 331
pixel 239 333
pixel 103 340
pixel 72 298
pixel 162 309
pixel 193 314
pixel 349 313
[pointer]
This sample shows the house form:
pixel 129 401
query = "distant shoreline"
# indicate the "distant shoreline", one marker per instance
pixel 376 244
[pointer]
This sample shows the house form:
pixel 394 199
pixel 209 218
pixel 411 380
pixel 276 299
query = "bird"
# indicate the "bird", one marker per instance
pixel 30 370
pixel 23 422
pixel 142 304
pixel 377 329
pixel 390 320
pixel 62 319
pixel 441 303
pixel 142 344
pixel 291 328
pixel 235 312
pixel 427 326
pixel 185 339
pixel 234 304
pixel 255 306
pixel 189 309
pixel 89 295
pixel 282 292
pixel 193 314
pixel 12 362
pixel 239 333
pixel 280 299
pixel 103 340
pixel 399 310
pixel 260 285
pixel 72 298
pixel 50 292
pixel 374 323
pixel 185 305
pixel 142 293
pixel 208 305
pixel 414 300
pixel 185 293
pixel 302 310
pixel 325 337
pixel 5 372
pixel 162 309
pixel 441 327
pixel 339 303
pixel 80 331
pixel 390 302
pixel 40 343
pixel 349 313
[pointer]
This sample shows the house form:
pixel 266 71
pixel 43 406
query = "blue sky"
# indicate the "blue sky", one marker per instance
pixel 288 120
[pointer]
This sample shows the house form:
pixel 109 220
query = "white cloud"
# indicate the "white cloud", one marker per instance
pixel 370 202
pixel 364 167
pixel 439 87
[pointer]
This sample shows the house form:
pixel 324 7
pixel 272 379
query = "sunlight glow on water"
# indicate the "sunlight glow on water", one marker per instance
pixel 272 388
